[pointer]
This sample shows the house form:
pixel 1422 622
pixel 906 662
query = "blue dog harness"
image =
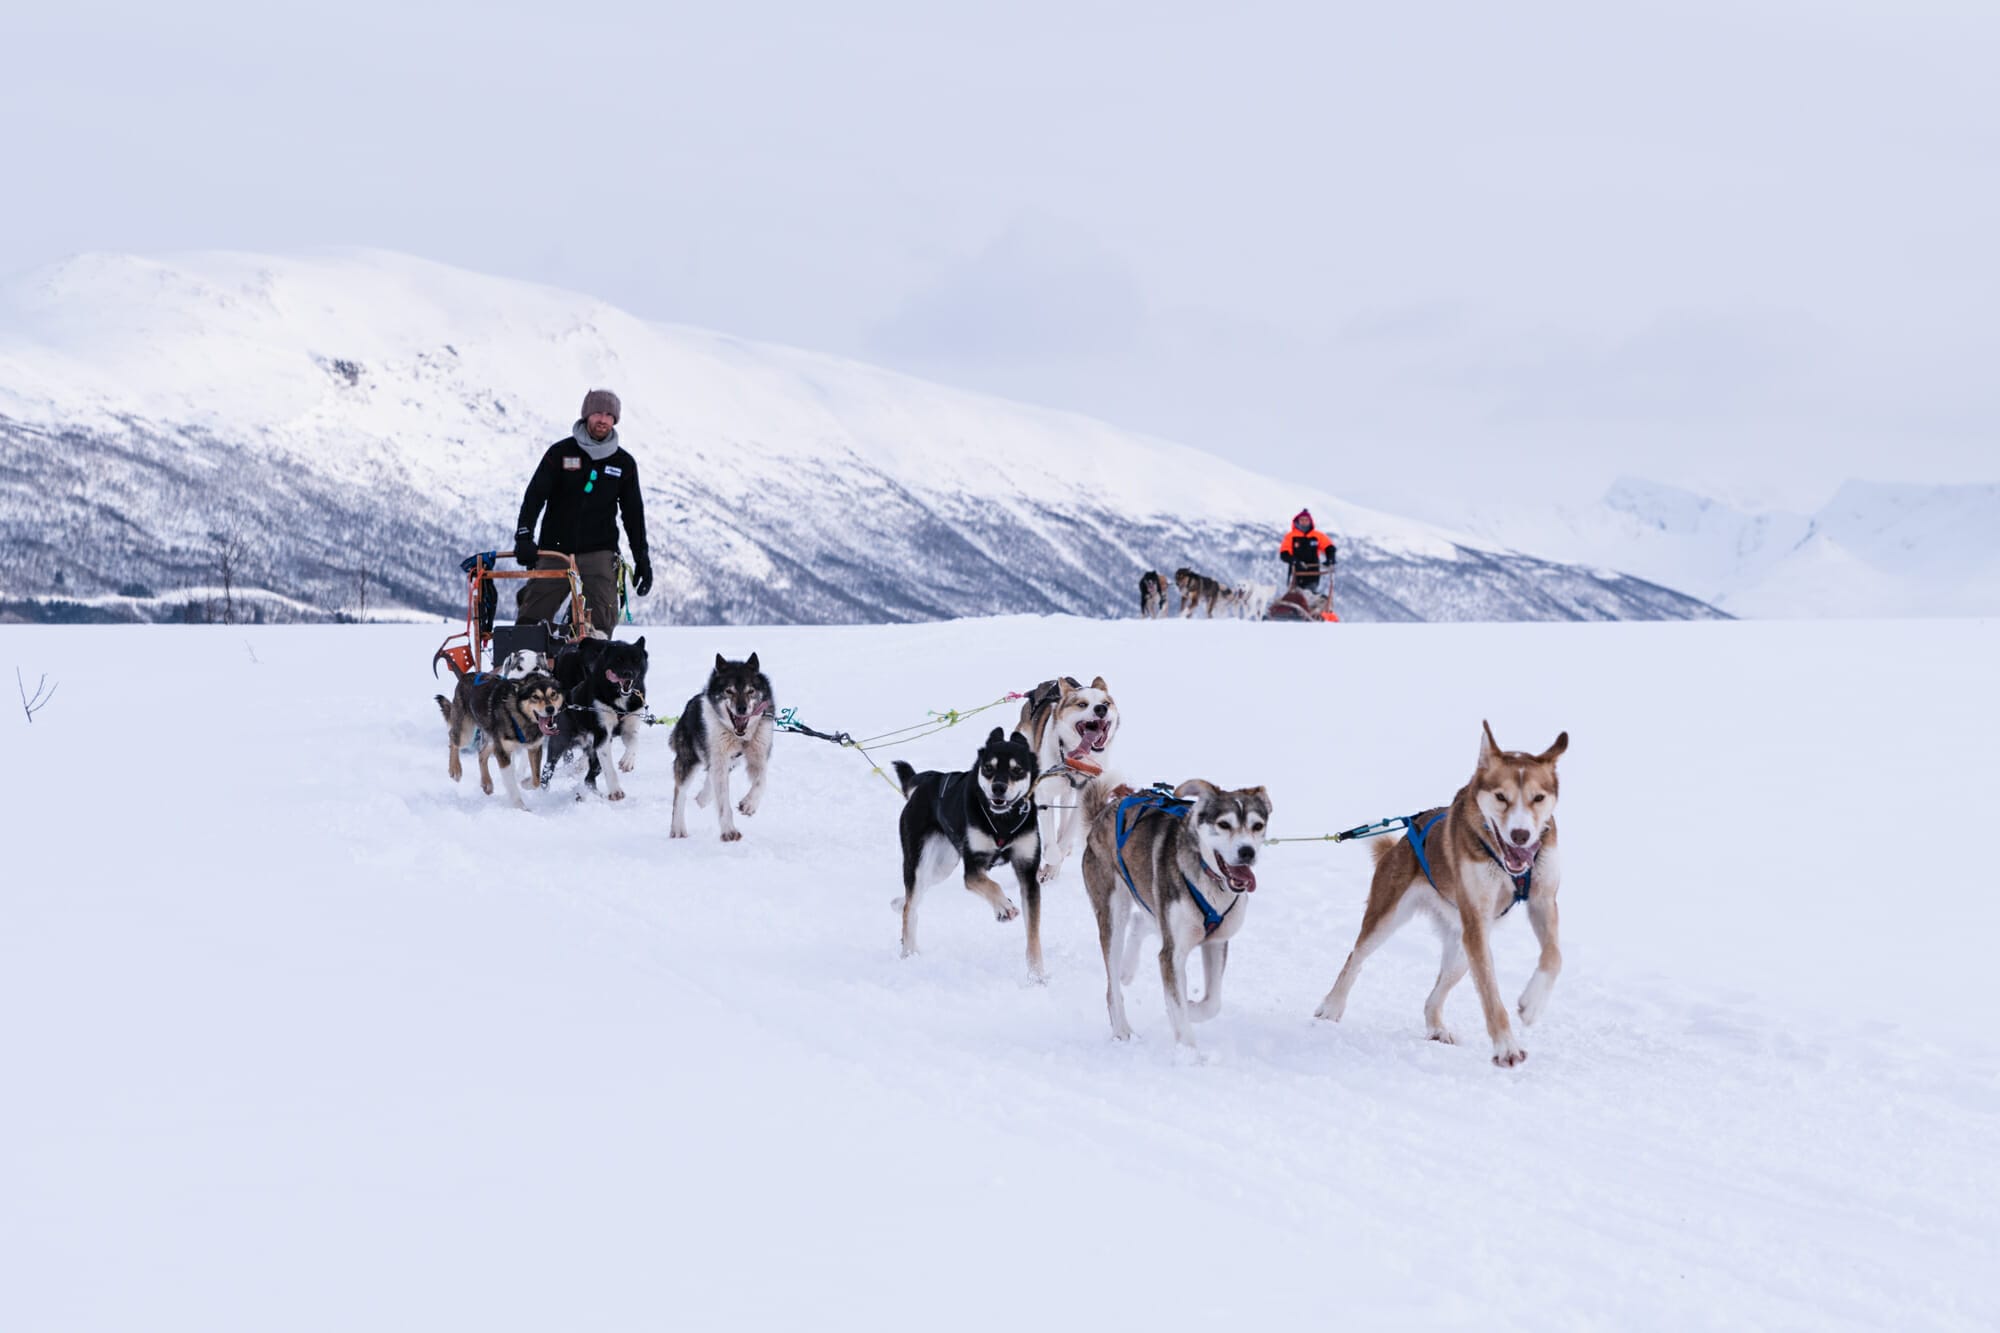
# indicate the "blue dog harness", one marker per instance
pixel 1161 800
pixel 1419 831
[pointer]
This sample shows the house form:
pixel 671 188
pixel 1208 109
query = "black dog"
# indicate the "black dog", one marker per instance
pixel 981 818
pixel 605 683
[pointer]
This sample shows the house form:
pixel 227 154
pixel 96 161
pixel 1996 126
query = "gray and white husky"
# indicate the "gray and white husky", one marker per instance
pixel 730 720
pixel 1184 866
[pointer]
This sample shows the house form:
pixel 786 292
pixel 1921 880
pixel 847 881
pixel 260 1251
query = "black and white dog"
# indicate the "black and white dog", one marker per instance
pixel 604 682
pixel 981 818
pixel 728 721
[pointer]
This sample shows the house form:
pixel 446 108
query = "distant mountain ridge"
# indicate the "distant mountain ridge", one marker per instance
pixel 1875 549
pixel 347 427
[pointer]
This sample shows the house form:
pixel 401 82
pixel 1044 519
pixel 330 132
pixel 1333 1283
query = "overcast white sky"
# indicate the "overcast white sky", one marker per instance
pixel 1417 252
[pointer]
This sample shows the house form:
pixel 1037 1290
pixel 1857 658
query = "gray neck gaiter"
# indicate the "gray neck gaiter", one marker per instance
pixel 598 452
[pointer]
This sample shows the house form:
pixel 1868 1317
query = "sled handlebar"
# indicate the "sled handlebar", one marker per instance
pixel 568 560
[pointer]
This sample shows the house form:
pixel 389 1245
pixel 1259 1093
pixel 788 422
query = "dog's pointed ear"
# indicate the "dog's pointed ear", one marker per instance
pixel 641 645
pixel 1261 796
pixel 721 662
pixel 1016 738
pixel 1488 747
pixel 1067 684
pixel 1198 791
pixel 1098 684
pixel 996 737
pixel 1550 755
pixel 752 664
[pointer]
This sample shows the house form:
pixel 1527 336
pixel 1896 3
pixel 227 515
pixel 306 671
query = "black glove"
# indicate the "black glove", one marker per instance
pixel 524 549
pixel 642 576
pixel 1285 556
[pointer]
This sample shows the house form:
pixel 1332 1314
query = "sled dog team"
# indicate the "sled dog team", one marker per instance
pixel 596 690
pixel 1199 592
pixel 1178 864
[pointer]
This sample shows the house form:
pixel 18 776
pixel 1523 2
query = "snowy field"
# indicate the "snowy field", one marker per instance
pixel 298 1035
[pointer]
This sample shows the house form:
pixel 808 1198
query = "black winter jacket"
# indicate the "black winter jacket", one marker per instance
pixel 582 499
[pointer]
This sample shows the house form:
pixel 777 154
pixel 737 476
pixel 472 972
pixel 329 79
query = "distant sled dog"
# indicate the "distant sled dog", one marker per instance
pixel 1182 866
pixel 1493 846
pixel 1152 595
pixel 980 819
pixel 513 718
pixel 729 722
pixel 1071 727
pixel 604 682
pixel 1196 590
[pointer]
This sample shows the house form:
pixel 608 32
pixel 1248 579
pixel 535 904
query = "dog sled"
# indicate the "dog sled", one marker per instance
pixel 1297 603
pixel 481 646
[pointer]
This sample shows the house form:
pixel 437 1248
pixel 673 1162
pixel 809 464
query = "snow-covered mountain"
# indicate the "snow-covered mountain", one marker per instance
pixel 1875 549
pixel 351 425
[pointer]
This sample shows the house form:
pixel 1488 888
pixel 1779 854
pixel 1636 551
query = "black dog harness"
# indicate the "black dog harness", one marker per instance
pixel 960 799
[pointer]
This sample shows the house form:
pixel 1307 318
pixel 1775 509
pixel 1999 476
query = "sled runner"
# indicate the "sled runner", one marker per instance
pixel 468 650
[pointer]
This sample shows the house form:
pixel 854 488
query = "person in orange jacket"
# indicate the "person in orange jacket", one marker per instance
pixel 1308 551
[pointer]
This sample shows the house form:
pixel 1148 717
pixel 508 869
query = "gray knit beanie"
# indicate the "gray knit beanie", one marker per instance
pixel 600 400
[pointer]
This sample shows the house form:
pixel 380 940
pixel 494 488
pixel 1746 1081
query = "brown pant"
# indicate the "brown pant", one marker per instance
pixel 544 599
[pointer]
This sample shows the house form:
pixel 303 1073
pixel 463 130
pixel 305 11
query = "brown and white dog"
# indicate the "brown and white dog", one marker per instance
pixel 511 717
pixel 1071 727
pixel 1494 845
pixel 1185 868
pixel 1196 590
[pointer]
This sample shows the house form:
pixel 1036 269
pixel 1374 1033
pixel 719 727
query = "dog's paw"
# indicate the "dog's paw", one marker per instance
pixel 701 798
pixel 1534 998
pixel 671 833
pixel 1048 872
pixel 1441 1034
pixel 486 785
pixel 614 796
pixel 1121 1031
pixel 746 806
pixel 627 764
pixel 732 835
pixel 1007 911
pixel 1330 1009
pixel 1508 1053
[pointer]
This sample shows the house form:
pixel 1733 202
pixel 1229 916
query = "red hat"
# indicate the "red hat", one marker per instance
pixel 1304 516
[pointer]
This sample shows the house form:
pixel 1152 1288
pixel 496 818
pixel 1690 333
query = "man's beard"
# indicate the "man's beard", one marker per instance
pixel 597 434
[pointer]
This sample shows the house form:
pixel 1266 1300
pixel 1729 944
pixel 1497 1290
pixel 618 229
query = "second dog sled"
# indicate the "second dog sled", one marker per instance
pixel 1297 603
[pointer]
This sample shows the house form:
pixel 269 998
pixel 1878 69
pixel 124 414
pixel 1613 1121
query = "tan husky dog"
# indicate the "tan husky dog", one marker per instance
pixel 1071 727
pixel 1465 866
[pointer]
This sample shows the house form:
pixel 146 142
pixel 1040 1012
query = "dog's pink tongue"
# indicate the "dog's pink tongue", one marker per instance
pixel 1241 878
pixel 1519 858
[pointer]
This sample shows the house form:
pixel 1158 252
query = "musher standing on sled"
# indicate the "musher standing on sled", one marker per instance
pixel 584 481
pixel 1308 551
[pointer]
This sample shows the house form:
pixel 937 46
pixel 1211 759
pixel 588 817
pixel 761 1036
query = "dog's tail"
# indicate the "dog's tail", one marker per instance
pixel 1381 847
pixel 906 778
pixel 1100 794
pixel 444 706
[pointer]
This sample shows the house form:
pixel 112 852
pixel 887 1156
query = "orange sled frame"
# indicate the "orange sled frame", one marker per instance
pixel 466 650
